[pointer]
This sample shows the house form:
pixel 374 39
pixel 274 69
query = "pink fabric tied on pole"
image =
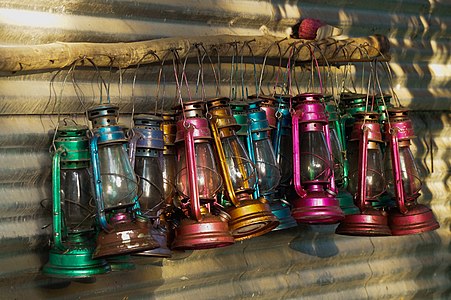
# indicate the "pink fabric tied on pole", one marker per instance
pixel 308 28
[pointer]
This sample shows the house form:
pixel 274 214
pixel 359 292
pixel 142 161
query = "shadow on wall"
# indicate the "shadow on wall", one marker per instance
pixel 316 240
pixel 147 277
pixel 431 278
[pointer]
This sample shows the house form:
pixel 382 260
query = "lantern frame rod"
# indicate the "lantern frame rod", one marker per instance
pixel 56 190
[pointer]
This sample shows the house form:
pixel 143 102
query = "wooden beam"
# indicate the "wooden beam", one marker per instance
pixel 60 55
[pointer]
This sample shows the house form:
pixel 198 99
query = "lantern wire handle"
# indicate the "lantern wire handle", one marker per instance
pixel 57 104
pixel 388 70
pixel 290 92
pixel 312 53
pixel 329 71
pixel 382 94
pixel 292 67
pixel 242 71
pixel 200 72
pixel 161 75
pixel 390 80
pixel 183 77
pixel 175 57
pixel 264 64
pixel 346 72
pixel 216 75
pixel 247 44
pixel 135 74
pixel 102 81
pixel 376 81
pixel 232 90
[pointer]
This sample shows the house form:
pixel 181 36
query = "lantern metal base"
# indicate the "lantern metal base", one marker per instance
pixel 283 214
pixel 121 263
pixel 347 203
pixel 208 233
pixel 126 237
pixel 162 250
pixel 371 222
pixel 74 263
pixel 418 219
pixel 317 207
pixel 251 218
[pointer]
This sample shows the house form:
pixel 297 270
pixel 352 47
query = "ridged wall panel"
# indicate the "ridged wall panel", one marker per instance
pixel 308 262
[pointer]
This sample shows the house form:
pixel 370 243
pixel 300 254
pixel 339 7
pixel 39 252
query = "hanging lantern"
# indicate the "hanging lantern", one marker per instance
pixel 279 119
pixel 73 233
pixel 312 164
pixel 146 155
pixel 198 182
pixel 249 217
pixel 403 179
pixel 366 180
pixel 352 104
pixel 124 230
pixel 260 150
pixel 341 168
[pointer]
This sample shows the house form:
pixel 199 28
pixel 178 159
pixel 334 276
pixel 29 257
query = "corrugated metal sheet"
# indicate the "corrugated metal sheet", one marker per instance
pixel 306 262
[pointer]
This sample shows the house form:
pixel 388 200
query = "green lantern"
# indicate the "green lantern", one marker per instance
pixel 341 166
pixel 73 234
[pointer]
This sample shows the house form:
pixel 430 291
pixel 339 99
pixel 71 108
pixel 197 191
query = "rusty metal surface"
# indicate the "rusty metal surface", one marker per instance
pixel 306 262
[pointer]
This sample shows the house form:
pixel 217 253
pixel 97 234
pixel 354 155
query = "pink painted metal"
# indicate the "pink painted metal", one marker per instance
pixel 408 217
pixel 210 232
pixel 269 106
pixel 202 230
pixel 296 157
pixel 192 174
pixel 419 218
pixel 316 203
pixel 396 165
pixel 199 127
pixel 370 221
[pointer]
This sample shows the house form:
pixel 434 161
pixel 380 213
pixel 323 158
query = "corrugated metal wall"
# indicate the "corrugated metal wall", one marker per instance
pixel 306 262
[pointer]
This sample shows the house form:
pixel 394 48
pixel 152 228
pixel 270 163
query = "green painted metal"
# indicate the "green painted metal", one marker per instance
pixel 75 143
pixel 347 202
pixel 71 252
pixel 344 197
pixel 239 110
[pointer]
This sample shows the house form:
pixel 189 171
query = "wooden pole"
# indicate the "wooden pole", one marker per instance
pixel 59 55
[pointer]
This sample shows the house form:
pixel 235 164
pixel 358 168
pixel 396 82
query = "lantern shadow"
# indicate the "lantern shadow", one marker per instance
pixel 121 284
pixel 316 240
